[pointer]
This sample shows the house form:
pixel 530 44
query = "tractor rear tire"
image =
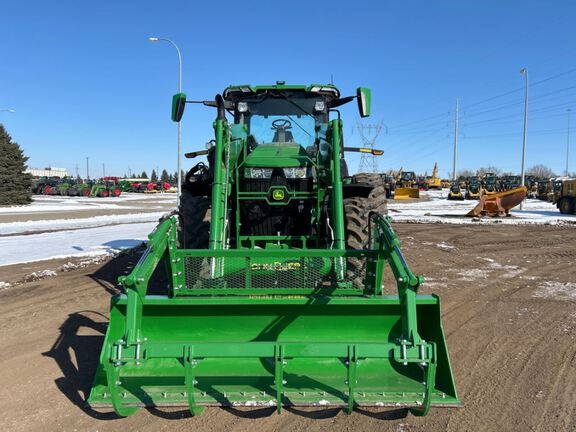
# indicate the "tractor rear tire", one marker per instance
pixel 195 212
pixel 373 179
pixel 566 205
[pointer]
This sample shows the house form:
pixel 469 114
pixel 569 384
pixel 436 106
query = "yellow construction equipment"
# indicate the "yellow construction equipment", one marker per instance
pixel 434 181
pixel 408 188
pixel 455 192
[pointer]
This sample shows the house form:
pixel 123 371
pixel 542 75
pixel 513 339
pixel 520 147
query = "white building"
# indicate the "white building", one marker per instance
pixel 48 172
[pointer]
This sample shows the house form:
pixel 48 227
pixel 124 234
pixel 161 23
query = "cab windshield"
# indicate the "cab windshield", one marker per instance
pixel 282 118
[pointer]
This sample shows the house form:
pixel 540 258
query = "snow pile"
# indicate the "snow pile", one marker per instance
pixel 556 290
pixel 37 275
pixel 5 285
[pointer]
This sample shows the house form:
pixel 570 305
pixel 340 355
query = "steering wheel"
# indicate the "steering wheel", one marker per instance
pixel 281 124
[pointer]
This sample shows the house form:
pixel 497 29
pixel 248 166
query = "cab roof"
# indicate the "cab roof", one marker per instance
pixel 233 91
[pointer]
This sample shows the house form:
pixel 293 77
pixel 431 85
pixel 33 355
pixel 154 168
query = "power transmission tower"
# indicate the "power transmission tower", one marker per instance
pixel 368 134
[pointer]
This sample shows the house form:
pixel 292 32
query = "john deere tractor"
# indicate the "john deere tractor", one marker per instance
pixel 274 289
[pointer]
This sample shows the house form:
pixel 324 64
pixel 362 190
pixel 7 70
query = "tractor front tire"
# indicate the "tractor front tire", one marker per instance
pixel 195 212
pixel 357 218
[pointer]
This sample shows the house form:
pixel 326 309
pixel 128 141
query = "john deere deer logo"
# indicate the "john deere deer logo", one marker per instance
pixel 278 194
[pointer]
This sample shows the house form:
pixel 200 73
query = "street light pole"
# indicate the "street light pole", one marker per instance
pixel 156 39
pixel 455 142
pixel 567 142
pixel 524 72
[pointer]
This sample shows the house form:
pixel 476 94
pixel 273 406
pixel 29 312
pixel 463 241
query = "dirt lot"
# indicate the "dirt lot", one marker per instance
pixel 509 297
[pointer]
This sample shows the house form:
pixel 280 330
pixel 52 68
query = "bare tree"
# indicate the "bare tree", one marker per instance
pixel 541 171
pixel 489 169
pixel 465 173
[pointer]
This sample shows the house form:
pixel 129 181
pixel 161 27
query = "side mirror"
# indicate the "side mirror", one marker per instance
pixel 178 105
pixel 364 96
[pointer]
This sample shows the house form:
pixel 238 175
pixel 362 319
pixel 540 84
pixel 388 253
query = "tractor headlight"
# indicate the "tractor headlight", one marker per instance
pixel 295 173
pixel 258 173
pixel 242 107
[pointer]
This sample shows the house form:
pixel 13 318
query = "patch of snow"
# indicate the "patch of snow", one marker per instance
pixel 513 271
pixel 61 224
pixel 57 204
pixel 403 427
pixel 89 242
pixel 4 285
pixel 486 259
pixel 255 403
pixel 443 245
pixel 437 209
pixel 471 274
pixel 556 290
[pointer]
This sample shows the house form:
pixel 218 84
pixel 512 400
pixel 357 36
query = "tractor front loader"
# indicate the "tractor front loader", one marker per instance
pixel 274 272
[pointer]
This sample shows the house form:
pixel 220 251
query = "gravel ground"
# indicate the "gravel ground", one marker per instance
pixel 509 313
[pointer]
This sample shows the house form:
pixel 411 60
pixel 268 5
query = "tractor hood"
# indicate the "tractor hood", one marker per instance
pixel 278 155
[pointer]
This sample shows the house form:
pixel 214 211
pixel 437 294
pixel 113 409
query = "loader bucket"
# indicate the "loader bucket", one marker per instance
pixel 498 204
pixel 265 352
pixel 274 328
pixel 406 193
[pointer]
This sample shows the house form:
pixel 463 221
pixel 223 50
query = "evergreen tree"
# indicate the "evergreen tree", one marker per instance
pixel 144 175
pixel 171 179
pixel 15 185
pixel 134 175
pixel 164 177
pixel 154 176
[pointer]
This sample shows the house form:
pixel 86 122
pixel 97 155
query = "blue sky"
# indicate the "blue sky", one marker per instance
pixel 85 81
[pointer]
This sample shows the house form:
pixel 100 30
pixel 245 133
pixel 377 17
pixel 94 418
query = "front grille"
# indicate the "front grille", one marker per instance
pixel 274 272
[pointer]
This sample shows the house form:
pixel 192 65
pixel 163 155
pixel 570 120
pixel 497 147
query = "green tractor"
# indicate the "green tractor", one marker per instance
pixel 273 292
pixel 84 188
